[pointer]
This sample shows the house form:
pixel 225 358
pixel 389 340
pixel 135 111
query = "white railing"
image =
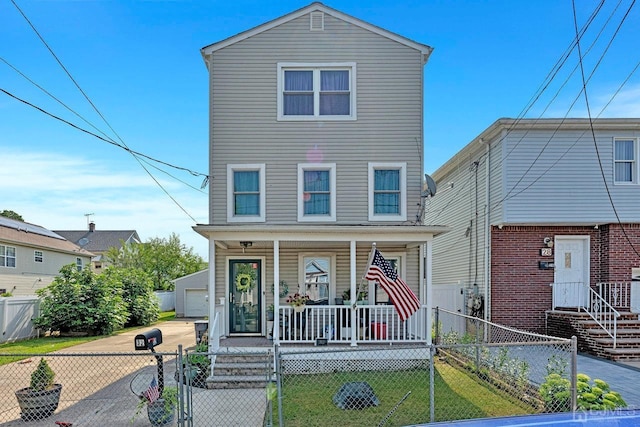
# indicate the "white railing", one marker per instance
pixel 618 294
pixel 373 324
pixel 604 314
pixel 569 294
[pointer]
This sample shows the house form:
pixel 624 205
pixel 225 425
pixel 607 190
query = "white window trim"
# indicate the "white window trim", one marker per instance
pixel 332 273
pixel 38 254
pixel 401 257
pixel 351 66
pixel 402 215
pixel 231 168
pixel 331 167
pixel 636 163
pixel 15 257
pixel 79 263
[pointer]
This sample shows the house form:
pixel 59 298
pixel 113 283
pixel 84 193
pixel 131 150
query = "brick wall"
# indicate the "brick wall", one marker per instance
pixel 520 291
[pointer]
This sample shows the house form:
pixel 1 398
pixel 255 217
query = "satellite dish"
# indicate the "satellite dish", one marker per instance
pixel 431 186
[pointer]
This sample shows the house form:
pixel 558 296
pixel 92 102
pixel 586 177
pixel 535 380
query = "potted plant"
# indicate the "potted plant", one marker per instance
pixel 346 297
pixel 270 312
pixel 196 367
pixel 298 302
pixel 41 398
pixel 161 411
pixel 362 297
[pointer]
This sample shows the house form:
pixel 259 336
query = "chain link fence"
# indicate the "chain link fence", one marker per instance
pixel 474 369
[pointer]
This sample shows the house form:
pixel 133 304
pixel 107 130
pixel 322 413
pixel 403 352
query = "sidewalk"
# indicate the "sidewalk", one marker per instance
pixel 621 377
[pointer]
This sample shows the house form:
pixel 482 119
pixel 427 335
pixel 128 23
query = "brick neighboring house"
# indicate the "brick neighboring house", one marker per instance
pixel 99 242
pixel 528 208
pixel 31 256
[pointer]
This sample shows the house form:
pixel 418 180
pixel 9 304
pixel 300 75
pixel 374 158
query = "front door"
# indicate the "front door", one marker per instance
pixel 571 272
pixel 245 289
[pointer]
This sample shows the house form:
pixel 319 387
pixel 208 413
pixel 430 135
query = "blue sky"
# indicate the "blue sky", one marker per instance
pixel 139 63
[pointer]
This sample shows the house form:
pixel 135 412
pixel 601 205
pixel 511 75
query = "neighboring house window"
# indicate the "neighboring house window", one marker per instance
pixel 318 275
pixel 380 296
pixel 7 256
pixel 37 256
pixel 387 192
pixel 317 192
pixel 625 161
pixel 316 91
pixel 79 263
pixel 246 193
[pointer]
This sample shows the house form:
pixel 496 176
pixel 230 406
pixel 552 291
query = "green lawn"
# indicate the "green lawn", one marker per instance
pixel 307 399
pixel 49 344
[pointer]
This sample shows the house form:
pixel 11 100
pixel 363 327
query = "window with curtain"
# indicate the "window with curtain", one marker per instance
pixel 625 163
pixel 386 191
pixel 312 91
pixel 317 192
pixel 246 193
pixel 7 256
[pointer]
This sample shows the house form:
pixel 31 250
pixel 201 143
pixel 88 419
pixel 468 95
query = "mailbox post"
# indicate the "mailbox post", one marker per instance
pixel 148 341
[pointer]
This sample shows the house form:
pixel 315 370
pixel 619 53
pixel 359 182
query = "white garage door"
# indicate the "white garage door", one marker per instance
pixel 195 303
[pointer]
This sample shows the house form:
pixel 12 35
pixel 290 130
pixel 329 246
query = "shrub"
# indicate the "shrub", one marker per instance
pixel 556 394
pixel 42 377
pixel 137 293
pixel 80 301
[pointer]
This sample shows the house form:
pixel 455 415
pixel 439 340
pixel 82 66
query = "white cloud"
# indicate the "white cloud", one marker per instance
pixel 56 191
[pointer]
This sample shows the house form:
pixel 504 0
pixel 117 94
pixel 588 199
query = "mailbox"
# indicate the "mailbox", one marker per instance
pixel 148 340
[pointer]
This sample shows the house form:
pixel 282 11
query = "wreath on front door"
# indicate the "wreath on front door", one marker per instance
pixel 244 282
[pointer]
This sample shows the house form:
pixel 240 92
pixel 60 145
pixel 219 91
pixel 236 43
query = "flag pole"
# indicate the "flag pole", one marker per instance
pixel 362 280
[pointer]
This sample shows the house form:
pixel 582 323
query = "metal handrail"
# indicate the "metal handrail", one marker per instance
pixel 603 314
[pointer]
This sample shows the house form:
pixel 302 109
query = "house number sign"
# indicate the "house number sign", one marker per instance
pixel 546 252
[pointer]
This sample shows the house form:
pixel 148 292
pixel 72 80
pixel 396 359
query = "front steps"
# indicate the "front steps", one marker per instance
pixel 241 371
pixel 594 340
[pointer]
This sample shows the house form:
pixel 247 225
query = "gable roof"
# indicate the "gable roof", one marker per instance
pixel 313 7
pixel 32 235
pixel 98 241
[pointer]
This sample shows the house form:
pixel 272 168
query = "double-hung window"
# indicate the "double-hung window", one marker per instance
pixel 387 192
pixel 79 263
pixel 246 193
pixel 38 256
pixel 7 256
pixel 317 192
pixel 316 91
pixel 625 158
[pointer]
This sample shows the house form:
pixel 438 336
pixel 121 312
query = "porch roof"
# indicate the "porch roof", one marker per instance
pixel 298 235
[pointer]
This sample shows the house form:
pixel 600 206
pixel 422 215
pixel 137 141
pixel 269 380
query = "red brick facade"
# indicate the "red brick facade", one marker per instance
pixel 520 291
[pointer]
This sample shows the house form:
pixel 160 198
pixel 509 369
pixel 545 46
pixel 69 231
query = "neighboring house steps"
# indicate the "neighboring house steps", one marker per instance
pixel 242 370
pixel 593 339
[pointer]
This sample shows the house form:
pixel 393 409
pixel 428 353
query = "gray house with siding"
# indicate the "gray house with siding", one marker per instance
pixel 540 211
pixel 316 153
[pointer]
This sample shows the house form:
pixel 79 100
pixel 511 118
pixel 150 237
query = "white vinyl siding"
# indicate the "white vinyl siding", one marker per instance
pixel 625 157
pixel 246 193
pixel 387 192
pixel 316 192
pixel 308 91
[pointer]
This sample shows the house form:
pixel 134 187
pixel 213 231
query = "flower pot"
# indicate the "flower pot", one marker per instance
pixel 158 415
pixel 36 405
pixel 299 308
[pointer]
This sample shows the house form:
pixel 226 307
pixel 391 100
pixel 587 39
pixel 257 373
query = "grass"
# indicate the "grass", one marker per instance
pixel 50 344
pixel 307 399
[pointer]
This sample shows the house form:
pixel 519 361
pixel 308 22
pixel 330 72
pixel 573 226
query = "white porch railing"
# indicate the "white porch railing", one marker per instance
pixel 604 314
pixel 373 324
pixel 618 294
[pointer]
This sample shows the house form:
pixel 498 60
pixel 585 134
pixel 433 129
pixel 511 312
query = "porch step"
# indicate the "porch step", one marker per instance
pixel 625 343
pixel 622 333
pixel 241 370
pixel 622 353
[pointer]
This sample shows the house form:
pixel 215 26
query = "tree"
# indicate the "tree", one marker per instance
pixel 11 214
pixel 137 293
pixel 162 259
pixel 81 301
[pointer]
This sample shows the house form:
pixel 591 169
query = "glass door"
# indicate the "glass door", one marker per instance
pixel 245 311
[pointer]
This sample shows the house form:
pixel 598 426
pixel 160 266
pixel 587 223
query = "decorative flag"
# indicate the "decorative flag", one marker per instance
pixel 153 392
pixel 401 296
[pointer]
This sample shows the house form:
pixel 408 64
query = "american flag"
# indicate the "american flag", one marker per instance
pixel 153 392
pixel 402 297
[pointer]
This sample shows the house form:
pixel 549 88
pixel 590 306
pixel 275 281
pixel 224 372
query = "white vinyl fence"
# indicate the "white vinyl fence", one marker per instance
pixel 167 300
pixel 15 317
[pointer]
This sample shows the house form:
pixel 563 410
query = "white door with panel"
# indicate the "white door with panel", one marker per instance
pixel 571 281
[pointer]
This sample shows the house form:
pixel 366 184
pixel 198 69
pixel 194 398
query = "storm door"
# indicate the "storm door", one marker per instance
pixel 245 288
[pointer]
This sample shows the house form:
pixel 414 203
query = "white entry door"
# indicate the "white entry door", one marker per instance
pixel 571 280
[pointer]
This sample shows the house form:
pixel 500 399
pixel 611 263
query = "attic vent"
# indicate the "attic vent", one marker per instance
pixel 317 21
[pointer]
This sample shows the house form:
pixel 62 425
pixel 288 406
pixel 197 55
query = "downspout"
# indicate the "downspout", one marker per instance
pixel 487 232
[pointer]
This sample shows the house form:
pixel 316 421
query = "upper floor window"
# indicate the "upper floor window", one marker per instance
pixel 79 263
pixel 38 256
pixel 246 193
pixel 7 256
pixel 317 192
pixel 625 157
pixel 387 192
pixel 316 91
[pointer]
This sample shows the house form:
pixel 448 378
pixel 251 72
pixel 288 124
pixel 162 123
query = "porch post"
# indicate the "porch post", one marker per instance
pixel 212 291
pixel 354 295
pixel 276 291
pixel 429 287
